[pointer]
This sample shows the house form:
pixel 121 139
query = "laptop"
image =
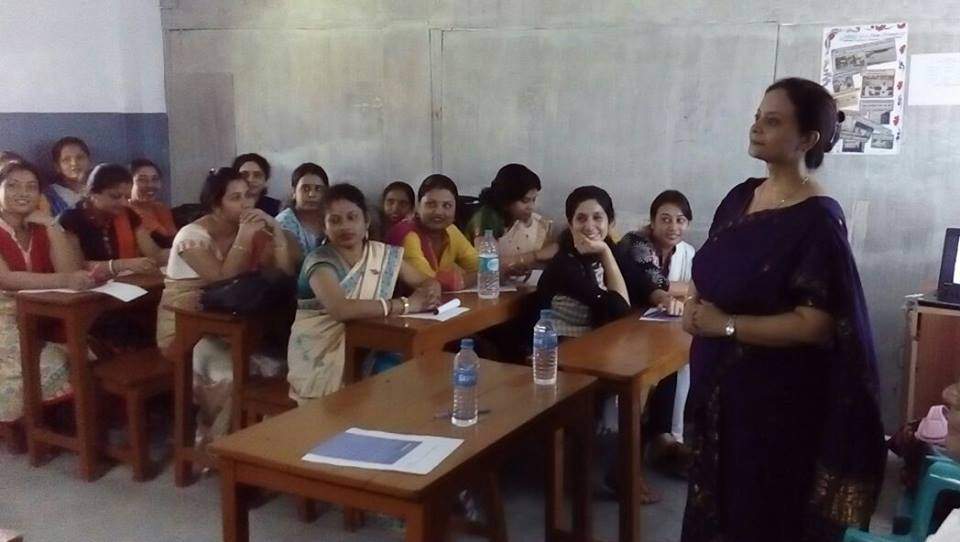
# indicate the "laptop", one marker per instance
pixel 948 289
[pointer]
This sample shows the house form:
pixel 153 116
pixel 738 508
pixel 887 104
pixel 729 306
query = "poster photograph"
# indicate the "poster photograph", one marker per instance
pixel 864 68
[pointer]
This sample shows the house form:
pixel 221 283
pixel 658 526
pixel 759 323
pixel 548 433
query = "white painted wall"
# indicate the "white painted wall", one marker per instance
pixel 81 56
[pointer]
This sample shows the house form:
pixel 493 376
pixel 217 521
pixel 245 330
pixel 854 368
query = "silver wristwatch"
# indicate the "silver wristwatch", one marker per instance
pixel 731 328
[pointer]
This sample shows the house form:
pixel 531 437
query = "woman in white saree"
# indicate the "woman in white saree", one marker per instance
pixel 349 277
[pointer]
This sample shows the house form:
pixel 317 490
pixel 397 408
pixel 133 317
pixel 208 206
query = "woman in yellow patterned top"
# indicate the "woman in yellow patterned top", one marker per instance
pixel 431 242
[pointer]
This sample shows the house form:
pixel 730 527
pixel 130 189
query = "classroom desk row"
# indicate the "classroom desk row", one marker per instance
pixel 626 357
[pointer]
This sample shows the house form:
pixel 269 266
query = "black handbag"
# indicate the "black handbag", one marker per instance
pixel 249 293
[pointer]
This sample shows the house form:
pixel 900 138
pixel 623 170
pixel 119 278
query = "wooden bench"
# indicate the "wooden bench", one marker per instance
pixel 135 377
pixel 76 313
pixel 263 397
pixel 253 397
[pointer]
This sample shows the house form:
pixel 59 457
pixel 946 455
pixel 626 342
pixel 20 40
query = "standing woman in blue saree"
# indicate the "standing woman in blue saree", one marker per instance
pixel 347 278
pixel 783 412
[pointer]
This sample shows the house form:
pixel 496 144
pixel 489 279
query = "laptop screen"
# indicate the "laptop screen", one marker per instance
pixel 956 264
pixel 950 264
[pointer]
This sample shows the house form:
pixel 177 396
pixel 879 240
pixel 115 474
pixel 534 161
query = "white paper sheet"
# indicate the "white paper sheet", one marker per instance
pixel 427 453
pixel 935 79
pixel 449 305
pixel 503 288
pixel 119 290
pixel 534 277
pixel 442 317
pixel 657 315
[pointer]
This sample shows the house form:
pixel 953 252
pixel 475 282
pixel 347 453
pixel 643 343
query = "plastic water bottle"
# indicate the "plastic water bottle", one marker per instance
pixel 488 272
pixel 465 370
pixel 545 350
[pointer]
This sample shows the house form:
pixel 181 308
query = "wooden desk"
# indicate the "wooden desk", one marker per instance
pixel 405 400
pixel 243 335
pixel 628 357
pixel 933 340
pixel 412 337
pixel 77 312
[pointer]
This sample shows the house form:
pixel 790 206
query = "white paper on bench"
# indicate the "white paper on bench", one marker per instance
pixel 119 290
pixel 442 317
pixel 503 288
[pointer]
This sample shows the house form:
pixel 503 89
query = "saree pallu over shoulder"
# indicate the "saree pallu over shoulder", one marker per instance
pixel 805 417
pixel 316 351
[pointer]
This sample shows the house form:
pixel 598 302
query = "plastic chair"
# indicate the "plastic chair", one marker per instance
pixel 942 475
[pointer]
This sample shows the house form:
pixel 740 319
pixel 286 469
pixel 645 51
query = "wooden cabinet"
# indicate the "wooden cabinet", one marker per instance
pixel 933 357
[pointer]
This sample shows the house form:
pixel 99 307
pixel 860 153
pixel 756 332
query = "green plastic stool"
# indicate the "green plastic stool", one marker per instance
pixel 942 475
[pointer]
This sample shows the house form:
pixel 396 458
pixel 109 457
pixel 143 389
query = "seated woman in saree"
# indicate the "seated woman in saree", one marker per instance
pixel 145 201
pixel 71 164
pixel 582 283
pixel 396 205
pixel 34 253
pixel 432 243
pixel 231 238
pixel 656 264
pixel 304 215
pixel 508 209
pixel 783 413
pixel 347 278
pixel 110 235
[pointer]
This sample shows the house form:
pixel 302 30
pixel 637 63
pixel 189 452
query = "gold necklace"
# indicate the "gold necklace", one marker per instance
pixel 791 194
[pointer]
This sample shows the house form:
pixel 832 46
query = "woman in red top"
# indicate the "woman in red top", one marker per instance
pixel 34 253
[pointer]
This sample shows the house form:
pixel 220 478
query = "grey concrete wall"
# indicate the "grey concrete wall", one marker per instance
pixel 635 95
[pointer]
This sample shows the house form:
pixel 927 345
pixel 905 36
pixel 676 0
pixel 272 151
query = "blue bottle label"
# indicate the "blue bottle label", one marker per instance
pixel 464 378
pixel 544 341
pixel 490 264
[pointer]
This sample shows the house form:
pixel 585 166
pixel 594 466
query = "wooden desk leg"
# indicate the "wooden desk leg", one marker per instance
pixel 630 466
pixel 353 360
pixel 493 502
pixel 554 484
pixel 581 454
pixel 183 423
pixel 242 345
pixel 30 346
pixel 84 401
pixel 235 502
pixel 426 523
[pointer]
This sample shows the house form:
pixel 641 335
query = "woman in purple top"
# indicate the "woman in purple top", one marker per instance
pixel 783 413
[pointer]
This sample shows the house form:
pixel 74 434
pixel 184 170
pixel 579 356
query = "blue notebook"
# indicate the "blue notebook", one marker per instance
pixel 353 447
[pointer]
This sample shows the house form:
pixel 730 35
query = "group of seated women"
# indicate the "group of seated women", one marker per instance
pixel 94 223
